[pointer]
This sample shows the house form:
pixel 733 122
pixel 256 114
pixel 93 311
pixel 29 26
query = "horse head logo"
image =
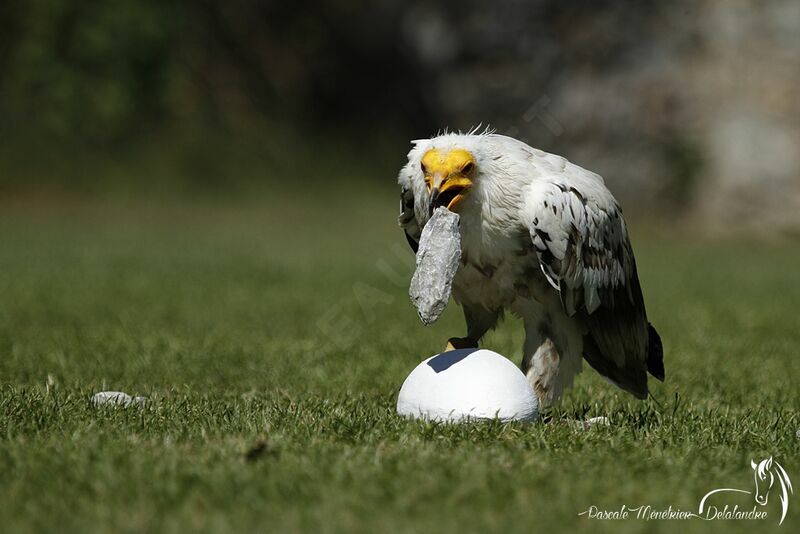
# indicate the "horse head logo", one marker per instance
pixel 766 473
pixel 764 479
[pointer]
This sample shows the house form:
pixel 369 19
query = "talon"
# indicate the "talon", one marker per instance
pixel 460 343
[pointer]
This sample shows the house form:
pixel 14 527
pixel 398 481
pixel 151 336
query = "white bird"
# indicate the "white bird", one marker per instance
pixel 544 239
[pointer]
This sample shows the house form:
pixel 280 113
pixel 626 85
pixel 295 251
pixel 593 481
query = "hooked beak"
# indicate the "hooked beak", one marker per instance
pixel 447 191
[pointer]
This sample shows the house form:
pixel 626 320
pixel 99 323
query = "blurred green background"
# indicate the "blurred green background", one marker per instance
pixel 687 108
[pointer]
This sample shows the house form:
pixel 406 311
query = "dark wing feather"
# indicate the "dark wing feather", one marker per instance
pixel 407 219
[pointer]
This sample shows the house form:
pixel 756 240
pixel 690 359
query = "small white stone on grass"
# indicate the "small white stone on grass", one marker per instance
pixel 600 420
pixel 116 398
pixel 592 421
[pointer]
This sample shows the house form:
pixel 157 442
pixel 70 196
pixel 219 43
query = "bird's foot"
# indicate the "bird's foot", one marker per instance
pixel 455 343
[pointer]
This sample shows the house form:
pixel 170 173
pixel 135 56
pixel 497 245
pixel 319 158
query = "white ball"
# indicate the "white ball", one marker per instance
pixel 468 384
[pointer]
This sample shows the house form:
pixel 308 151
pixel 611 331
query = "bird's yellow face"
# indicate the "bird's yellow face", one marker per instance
pixel 448 175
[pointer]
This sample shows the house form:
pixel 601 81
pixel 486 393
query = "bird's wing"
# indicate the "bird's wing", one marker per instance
pixel 413 198
pixel 407 218
pixel 584 251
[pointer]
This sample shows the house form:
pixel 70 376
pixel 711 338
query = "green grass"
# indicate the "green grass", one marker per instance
pixel 272 337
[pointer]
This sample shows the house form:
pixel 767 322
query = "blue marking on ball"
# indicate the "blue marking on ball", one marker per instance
pixel 445 360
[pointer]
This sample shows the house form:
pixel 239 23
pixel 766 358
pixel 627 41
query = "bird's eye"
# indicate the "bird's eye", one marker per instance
pixel 422 166
pixel 468 167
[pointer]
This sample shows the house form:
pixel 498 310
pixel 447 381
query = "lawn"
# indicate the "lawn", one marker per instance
pixel 271 336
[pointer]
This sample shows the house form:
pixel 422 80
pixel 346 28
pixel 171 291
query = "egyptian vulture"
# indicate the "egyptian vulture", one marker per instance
pixel 546 240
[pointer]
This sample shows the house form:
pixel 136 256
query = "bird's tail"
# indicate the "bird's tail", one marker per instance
pixel 655 353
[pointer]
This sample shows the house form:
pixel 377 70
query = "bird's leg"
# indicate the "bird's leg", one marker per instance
pixel 540 360
pixel 541 368
pixel 479 321
pixel 552 357
pixel 455 343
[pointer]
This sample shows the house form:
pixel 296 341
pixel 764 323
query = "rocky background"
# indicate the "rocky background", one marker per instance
pixel 688 108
